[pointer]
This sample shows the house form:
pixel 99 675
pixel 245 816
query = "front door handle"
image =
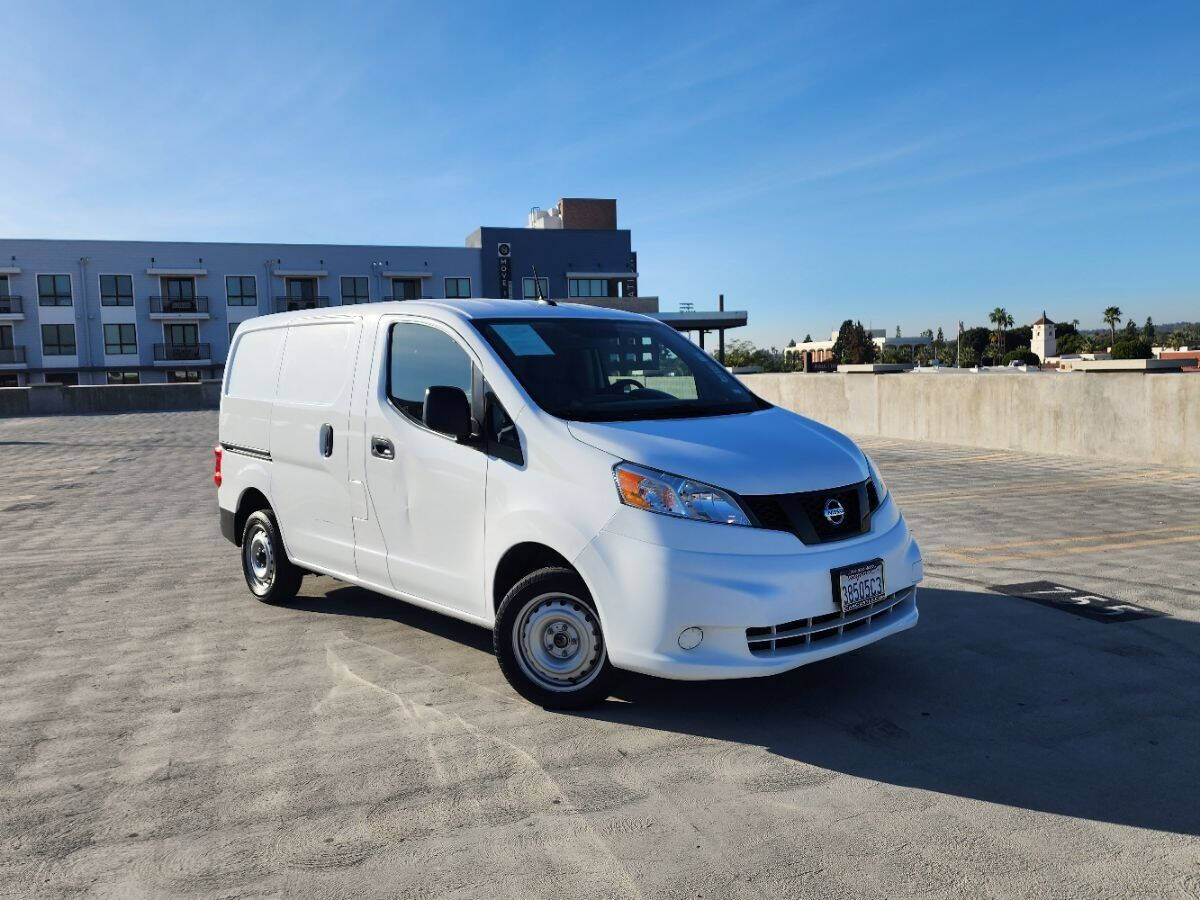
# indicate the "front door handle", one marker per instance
pixel 327 440
pixel 382 448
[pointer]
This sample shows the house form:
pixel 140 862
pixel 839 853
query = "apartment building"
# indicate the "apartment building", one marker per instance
pixel 127 312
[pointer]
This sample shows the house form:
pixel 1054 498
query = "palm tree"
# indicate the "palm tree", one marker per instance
pixel 1000 317
pixel 1112 317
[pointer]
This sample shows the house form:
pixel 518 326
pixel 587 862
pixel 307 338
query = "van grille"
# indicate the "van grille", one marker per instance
pixel 804 514
pixel 797 635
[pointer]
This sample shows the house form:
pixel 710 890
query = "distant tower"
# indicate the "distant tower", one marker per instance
pixel 1044 343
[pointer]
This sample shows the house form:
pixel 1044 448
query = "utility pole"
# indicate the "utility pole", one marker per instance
pixel 720 332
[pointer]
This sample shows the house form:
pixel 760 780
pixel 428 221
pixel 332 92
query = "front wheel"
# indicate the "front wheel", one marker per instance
pixel 270 575
pixel 549 642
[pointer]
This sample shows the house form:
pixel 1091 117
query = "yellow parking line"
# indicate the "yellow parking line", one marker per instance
pixel 984 556
pixel 1036 487
pixel 1076 538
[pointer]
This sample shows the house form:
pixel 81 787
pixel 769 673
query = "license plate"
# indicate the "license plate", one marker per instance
pixel 857 586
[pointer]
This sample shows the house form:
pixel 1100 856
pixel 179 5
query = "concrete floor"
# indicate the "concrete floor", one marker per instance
pixel 162 733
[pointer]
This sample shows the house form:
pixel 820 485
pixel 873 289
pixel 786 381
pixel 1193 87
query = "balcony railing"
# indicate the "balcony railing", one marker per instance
pixel 179 305
pixel 287 304
pixel 10 303
pixel 10 356
pixel 182 352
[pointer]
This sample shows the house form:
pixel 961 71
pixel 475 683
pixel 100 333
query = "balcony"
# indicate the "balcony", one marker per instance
pixel 169 354
pixel 12 357
pixel 190 308
pixel 11 307
pixel 287 304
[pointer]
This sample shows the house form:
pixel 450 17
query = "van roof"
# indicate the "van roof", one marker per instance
pixel 447 310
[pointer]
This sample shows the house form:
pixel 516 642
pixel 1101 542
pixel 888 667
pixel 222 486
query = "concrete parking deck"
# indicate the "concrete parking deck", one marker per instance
pixel 163 733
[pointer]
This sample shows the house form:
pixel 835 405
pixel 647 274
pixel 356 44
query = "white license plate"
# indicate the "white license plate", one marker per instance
pixel 860 585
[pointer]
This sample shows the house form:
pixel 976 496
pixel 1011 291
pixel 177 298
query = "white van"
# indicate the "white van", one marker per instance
pixel 588 484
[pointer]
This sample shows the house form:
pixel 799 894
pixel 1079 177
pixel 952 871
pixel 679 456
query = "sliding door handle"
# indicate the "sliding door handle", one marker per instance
pixel 382 448
pixel 326 440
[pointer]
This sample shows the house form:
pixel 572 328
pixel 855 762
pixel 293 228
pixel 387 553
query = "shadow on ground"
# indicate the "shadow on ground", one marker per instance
pixel 990 697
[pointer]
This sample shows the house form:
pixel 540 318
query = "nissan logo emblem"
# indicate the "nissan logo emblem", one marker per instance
pixel 834 512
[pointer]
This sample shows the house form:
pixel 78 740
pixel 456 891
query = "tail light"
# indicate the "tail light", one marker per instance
pixel 217 466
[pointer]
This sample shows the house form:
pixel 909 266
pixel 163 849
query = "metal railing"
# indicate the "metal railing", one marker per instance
pixel 180 305
pixel 287 304
pixel 12 355
pixel 182 352
pixel 10 303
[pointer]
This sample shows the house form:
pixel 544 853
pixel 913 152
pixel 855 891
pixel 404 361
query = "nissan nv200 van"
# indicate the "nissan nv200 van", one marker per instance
pixel 587 483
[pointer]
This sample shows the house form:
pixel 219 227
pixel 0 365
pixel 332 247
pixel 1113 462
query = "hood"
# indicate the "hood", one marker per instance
pixel 771 451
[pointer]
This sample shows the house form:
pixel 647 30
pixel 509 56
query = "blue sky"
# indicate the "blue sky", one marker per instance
pixel 908 164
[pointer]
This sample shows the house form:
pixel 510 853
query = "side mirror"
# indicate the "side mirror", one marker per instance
pixel 447 411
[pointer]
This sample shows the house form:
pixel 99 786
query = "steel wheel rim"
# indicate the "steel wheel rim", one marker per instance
pixel 558 642
pixel 258 556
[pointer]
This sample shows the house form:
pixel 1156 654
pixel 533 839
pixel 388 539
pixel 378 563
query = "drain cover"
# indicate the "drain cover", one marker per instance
pixel 1076 601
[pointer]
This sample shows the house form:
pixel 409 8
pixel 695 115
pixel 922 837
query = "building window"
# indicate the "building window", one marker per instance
pixel 54 290
pixel 241 290
pixel 58 340
pixel 458 288
pixel 232 329
pixel 3 285
pixel 116 290
pixel 182 376
pixel 406 289
pixel 66 379
pixel 589 287
pixel 354 289
pixel 120 339
pixel 182 335
pixel 124 378
pixel 529 288
pixel 9 379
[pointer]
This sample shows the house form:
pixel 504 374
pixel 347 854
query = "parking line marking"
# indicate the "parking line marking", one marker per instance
pixel 1037 487
pixel 985 556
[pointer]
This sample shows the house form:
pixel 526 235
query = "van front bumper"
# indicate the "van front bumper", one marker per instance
pixel 763 600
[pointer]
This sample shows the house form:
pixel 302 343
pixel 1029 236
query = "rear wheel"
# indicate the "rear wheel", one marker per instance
pixel 549 642
pixel 270 575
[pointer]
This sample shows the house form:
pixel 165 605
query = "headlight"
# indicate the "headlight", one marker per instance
pixel 880 485
pixel 674 496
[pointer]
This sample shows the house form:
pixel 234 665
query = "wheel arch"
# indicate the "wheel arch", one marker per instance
pixel 523 559
pixel 251 500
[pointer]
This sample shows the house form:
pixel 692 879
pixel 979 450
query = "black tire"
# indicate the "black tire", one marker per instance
pixel 547 614
pixel 269 574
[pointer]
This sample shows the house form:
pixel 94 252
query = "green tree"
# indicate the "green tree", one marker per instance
pixel 1071 343
pixel 1001 319
pixel 853 345
pixel 1132 348
pixel 1148 329
pixel 1022 355
pixel 976 339
pixel 1112 317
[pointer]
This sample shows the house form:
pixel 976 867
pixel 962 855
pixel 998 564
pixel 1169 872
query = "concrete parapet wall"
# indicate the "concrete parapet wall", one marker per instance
pixel 1153 419
pixel 54 399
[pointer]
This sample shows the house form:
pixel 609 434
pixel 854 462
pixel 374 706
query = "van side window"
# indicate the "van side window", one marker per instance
pixel 422 357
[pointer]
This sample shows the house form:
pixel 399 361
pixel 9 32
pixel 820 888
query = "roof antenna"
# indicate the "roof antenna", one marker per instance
pixel 537 290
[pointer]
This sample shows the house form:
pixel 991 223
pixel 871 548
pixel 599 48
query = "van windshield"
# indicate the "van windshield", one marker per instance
pixel 610 370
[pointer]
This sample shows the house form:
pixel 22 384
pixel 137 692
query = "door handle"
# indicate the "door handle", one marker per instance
pixel 382 448
pixel 327 440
